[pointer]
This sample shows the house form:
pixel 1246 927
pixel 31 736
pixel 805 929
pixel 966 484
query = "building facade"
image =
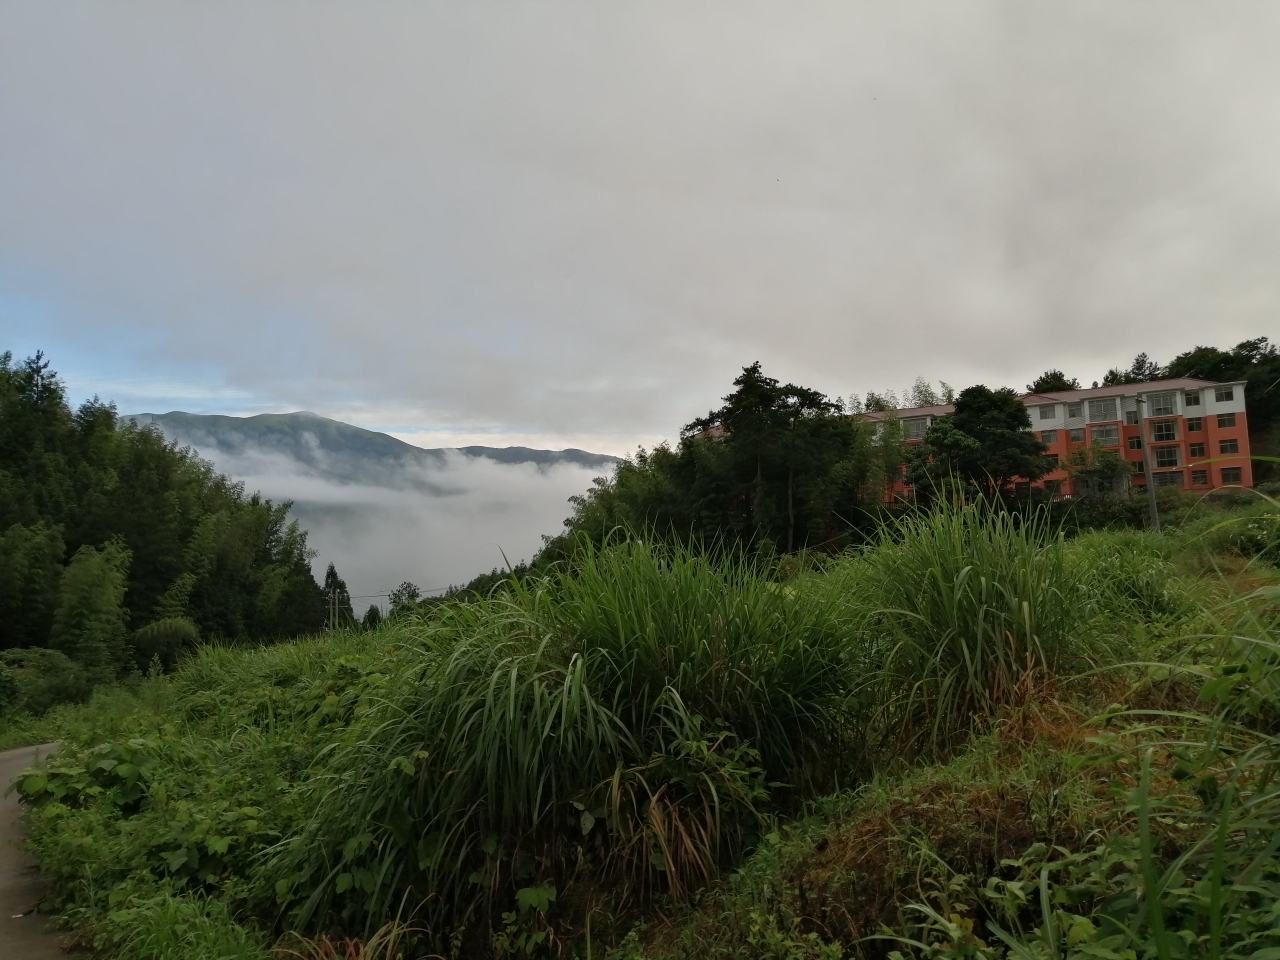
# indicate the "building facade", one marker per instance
pixel 1195 431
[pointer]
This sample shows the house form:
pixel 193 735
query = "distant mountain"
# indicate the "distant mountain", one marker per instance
pixel 334 450
pixel 386 511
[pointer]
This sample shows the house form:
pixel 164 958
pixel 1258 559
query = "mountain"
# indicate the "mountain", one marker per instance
pixel 334 450
pixel 384 510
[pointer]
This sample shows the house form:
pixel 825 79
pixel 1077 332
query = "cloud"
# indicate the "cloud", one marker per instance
pixel 575 219
pixel 433 526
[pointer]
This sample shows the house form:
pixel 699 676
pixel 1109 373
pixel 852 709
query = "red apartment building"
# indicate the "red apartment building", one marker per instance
pixel 1184 422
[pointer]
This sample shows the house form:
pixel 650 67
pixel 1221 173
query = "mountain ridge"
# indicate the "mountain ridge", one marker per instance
pixel 340 451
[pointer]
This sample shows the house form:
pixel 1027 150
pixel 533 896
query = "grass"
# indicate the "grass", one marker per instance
pixel 626 719
pixel 191 927
pixel 745 762
pixel 974 610
pixel 112 711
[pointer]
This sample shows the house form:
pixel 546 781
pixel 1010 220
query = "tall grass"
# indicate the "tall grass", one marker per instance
pixel 975 610
pixel 622 722
pixel 168 927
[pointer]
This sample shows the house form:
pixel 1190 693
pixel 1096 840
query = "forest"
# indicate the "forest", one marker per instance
pixel 117 548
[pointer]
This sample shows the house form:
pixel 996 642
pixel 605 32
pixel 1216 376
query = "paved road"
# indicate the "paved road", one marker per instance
pixel 21 938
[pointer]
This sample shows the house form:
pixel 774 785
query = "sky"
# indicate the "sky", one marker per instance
pixel 570 224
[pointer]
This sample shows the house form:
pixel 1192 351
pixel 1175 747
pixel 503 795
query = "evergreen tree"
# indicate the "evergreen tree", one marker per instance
pixel 83 485
pixel 30 574
pixel 1053 381
pixel 89 622
pixel 1142 370
pixel 776 462
pixel 987 442
pixel 338 599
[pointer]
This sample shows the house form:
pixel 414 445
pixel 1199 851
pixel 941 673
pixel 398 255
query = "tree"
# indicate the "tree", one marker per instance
pixel 404 597
pixel 89 622
pixel 30 574
pixel 199 549
pixel 372 618
pixel 776 462
pixel 987 441
pixel 1053 381
pixel 338 599
pixel 1142 370
pixel 1097 470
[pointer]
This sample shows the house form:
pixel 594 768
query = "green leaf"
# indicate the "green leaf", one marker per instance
pixel 535 898
pixel 34 784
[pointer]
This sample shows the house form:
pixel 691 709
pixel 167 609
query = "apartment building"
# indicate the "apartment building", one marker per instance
pixel 1196 431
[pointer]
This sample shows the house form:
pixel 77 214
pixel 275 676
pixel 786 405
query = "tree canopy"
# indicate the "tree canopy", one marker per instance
pixel 106 528
pixel 1053 381
pixel 987 442
pixel 775 462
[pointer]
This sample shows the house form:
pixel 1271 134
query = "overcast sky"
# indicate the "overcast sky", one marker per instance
pixel 571 223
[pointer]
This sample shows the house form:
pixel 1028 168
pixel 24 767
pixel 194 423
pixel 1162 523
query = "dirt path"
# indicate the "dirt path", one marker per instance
pixel 23 937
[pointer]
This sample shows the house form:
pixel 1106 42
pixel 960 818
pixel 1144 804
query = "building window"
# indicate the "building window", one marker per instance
pixel 913 428
pixel 1224 394
pixel 1052 487
pixel 1168 478
pixel 1196 450
pixel 1228 446
pixel 1191 398
pixel 1135 443
pixel 1199 478
pixel 1163 404
pixel 1165 456
pixel 1140 466
pixel 1163 431
pixel 1108 436
pixel 1075 409
pixel 1195 424
pixel 1051 459
pixel 1104 409
pixel 1226 419
pixel 1048 411
pixel 1230 474
pixel 1131 417
pixel 1077 435
pixel 1048 436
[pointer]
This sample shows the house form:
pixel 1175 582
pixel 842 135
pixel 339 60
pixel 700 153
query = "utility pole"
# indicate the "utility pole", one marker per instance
pixel 1146 464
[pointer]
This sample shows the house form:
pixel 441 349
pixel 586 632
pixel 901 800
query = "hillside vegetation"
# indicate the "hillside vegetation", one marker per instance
pixel 117 547
pixel 971 737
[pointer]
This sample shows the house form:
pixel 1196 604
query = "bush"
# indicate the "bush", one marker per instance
pixel 45 678
pixel 165 639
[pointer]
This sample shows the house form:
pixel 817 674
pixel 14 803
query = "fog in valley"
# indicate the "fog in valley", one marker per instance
pixel 434 527
pixel 384 511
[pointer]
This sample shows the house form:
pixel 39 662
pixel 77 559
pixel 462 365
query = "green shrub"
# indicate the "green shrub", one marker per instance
pixel 45 678
pixel 166 640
